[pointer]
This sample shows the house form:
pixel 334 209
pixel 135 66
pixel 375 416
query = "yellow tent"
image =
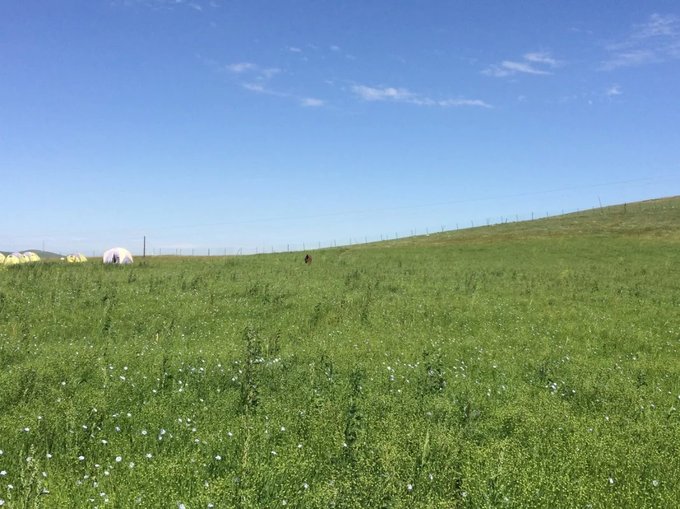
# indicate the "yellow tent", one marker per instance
pixel 13 259
pixel 76 258
pixel 31 256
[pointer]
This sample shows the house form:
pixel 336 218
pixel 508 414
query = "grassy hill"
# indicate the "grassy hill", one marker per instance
pixel 520 365
pixel 651 219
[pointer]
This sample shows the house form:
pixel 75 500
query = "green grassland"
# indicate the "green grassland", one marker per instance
pixel 521 365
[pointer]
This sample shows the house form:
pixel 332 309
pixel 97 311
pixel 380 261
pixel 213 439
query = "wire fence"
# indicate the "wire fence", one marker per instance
pixel 311 245
pixel 141 245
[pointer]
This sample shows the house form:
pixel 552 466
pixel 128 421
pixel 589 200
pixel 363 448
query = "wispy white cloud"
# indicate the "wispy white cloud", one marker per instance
pixel 241 67
pixel 311 102
pixel 307 102
pixel 454 103
pixel 654 41
pixel 198 5
pixel 261 73
pixel 403 95
pixel 256 87
pixel 613 91
pixel 541 57
pixel 294 49
pixel 383 94
pixel 658 25
pixel 537 63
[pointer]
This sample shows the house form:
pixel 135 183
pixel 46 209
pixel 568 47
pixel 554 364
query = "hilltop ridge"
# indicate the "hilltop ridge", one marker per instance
pixel 657 218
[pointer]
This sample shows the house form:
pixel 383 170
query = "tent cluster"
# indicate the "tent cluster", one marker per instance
pixel 117 255
pixel 17 258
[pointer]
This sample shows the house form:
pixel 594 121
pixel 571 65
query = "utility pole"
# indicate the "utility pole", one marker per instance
pixel 144 251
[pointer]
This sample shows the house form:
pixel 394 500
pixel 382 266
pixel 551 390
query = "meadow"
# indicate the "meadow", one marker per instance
pixel 519 365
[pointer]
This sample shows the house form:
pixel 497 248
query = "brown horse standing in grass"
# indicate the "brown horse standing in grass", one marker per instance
pixel 308 259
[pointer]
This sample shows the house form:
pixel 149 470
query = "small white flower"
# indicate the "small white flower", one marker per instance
pixel 81 458
pixel 26 430
pixel 3 473
pixel 305 486
pixel 611 480
pixel 119 459
pixel 149 455
pixel 2 502
pixel 218 457
pixel 230 434
pixel 144 432
pixel 283 429
pixel 409 487
pixel 131 464
pixel 49 456
pixel 273 453
pixel 655 483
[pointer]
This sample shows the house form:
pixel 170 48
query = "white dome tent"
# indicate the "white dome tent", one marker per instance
pixel 118 255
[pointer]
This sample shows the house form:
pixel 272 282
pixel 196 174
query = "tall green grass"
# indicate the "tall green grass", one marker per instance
pixel 527 365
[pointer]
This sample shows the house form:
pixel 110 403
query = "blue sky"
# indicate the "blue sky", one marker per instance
pixel 207 124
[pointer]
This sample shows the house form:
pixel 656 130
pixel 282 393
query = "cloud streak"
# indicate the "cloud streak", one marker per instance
pixel 197 5
pixel 614 90
pixel 654 41
pixel 256 71
pixel 536 63
pixel 307 102
pixel 403 95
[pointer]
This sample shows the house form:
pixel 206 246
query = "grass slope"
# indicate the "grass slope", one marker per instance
pixel 521 365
